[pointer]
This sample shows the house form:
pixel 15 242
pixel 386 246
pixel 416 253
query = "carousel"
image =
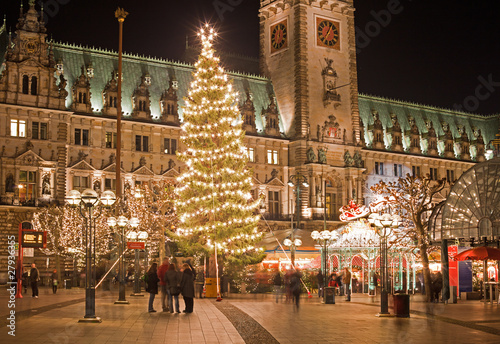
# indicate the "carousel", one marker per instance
pixel 357 246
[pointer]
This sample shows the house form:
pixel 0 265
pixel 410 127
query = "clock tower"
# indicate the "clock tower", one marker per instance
pixel 307 49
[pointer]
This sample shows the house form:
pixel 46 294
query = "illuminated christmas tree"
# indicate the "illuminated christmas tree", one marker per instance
pixel 215 207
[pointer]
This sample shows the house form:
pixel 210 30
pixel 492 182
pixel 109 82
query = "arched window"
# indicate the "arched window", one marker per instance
pixel 34 85
pixel 26 84
pixel 80 97
pixel 85 98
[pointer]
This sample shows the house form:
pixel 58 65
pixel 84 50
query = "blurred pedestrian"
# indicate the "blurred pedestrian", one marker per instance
pixel 34 278
pixel 54 281
pixel 173 283
pixel 437 285
pixel 187 288
pixel 321 283
pixel 287 281
pixel 346 282
pixel 295 288
pixel 200 282
pixel 152 280
pixel 26 277
pixel 278 284
pixel 162 270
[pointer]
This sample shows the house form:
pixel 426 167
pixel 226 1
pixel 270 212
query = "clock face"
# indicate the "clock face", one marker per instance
pixel 279 36
pixel 328 33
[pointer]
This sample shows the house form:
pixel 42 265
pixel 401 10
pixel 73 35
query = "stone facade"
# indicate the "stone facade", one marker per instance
pixel 304 117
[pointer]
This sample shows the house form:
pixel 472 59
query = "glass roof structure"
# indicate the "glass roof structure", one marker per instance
pixel 472 209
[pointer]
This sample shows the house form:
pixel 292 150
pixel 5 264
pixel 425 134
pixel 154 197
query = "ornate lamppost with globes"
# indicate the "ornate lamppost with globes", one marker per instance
pixel 296 181
pixel 293 244
pixel 137 241
pixel 86 202
pixel 384 225
pixel 122 222
pixel 324 238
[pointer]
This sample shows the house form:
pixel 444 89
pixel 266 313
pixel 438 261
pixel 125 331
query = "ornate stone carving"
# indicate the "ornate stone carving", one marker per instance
pixel 358 161
pixel 329 83
pixel 247 111
pixel 169 105
pixel 322 156
pixel 348 160
pixel 378 132
pixel 311 157
pixel 331 129
pixel 272 118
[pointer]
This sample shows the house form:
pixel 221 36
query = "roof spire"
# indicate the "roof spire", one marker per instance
pixel 21 9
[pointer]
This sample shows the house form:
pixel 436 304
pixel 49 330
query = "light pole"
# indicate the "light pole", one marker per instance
pixel 121 223
pixel 86 202
pixel 296 180
pixel 137 241
pixel 293 244
pixel 384 224
pixel 324 237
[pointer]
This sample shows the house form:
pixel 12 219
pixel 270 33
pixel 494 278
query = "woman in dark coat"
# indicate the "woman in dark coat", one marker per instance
pixel 152 285
pixel 172 280
pixel 187 288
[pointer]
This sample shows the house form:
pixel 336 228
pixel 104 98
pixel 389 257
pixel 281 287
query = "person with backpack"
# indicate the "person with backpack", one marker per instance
pixel 278 284
pixel 152 280
pixel 173 283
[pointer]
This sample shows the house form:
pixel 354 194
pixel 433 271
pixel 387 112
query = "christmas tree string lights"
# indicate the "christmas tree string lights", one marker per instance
pixel 214 202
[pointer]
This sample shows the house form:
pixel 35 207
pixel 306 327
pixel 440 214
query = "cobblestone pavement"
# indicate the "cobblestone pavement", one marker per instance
pixel 54 319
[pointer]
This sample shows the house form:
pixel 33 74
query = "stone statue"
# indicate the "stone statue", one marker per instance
pixel 46 186
pixel 322 156
pixel 274 173
pixel 348 160
pixel 358 162
pixel 310 155
pixel 142 161
pixel 171 164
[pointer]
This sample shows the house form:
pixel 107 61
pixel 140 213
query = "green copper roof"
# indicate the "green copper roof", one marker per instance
pixel 488 125
pixel 161 71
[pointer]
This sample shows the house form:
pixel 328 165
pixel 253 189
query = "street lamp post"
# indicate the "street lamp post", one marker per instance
pixel 122 222
pixel 296 180
pixel 86 202
pixel 324 237
pixel 137 237
pixel 385 224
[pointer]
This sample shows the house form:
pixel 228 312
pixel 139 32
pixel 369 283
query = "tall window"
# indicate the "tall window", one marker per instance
pixel 141 143
pixel 26 84
pixel 169 146
pixel 82 137
pixel 274 202
pixel 250 154
pixel 332 206
pixel 82 97
pixel 80 182
pixel 433 173
pixel 110 139
pixel 415 170
pixel 398 170
pixel 450 176
pixel 27 185
pixel 34 85
pixel 379 168
pixel 39 131
pixel 112 101
pixel 17 128
pixel 109 184
pixel 272 157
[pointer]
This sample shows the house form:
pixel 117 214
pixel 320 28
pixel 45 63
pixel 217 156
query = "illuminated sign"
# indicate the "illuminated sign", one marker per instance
pixel 33 239
pixel 135 245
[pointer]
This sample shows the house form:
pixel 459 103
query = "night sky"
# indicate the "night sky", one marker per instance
pixel 435 52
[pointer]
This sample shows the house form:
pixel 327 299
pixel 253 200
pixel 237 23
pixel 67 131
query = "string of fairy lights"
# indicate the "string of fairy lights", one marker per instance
pixel 214 198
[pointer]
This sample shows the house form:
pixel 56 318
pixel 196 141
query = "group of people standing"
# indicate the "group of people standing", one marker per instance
pixel 340 281
pixel 172 283
pixel 292 283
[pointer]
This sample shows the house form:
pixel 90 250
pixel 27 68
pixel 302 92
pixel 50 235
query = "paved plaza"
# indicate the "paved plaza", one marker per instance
pixel 54 319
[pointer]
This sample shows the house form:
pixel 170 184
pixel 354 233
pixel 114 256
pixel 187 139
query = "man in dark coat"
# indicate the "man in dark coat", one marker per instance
pixel 187 288
pixel 34 278
pixel 152 285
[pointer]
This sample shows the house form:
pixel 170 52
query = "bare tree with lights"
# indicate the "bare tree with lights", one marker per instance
pixel 214 205
pixel 414 198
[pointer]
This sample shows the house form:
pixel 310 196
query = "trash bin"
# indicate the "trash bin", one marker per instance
pixel 329 296
pixel 67 284
pixel 401 305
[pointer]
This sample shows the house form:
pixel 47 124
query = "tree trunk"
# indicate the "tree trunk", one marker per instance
pixel 425 270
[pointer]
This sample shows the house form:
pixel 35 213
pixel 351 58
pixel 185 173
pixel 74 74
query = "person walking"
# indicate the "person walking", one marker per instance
pixel 187 288
pixel 295 288
pixel 152 285
pixel 346 281
pixel 278 284
pixel 173 280
pixel 321 283
pixel 163 284
pixel 54 281
pixel 437 285
pixel 34 278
